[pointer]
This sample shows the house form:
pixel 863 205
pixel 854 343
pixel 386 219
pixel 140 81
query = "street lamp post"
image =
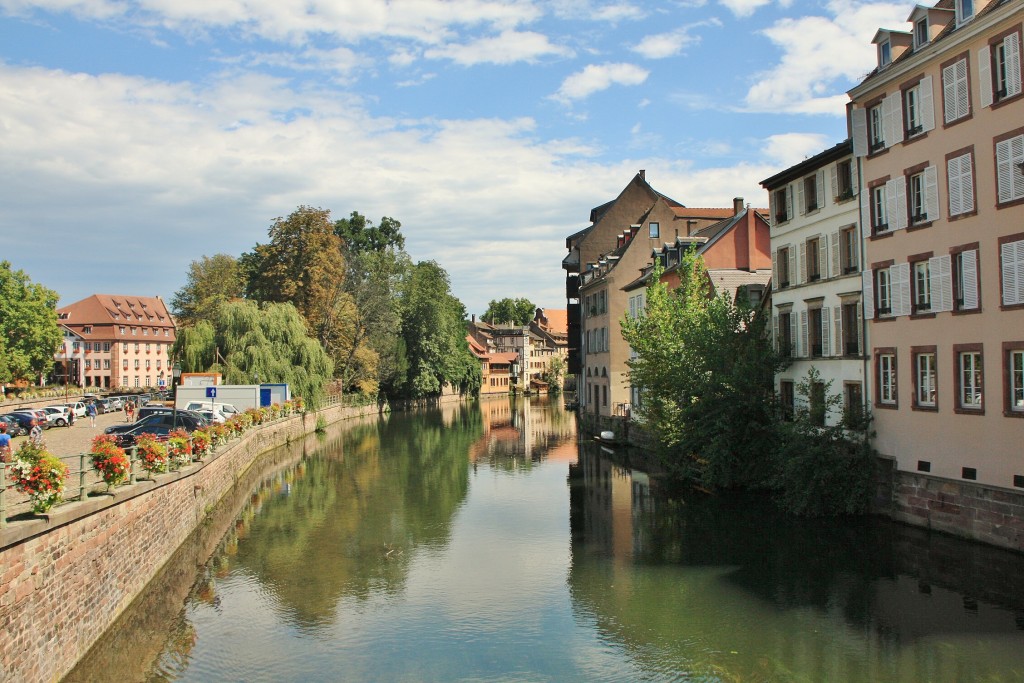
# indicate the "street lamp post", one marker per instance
pixel 175 376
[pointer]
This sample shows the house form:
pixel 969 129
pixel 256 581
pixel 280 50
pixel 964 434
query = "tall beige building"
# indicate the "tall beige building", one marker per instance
pixel 938 128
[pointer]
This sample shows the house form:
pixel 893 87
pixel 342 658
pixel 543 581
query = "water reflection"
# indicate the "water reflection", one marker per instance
pixel 727 587
pixel 521 431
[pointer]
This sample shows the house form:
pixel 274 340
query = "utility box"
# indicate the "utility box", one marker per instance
pixel 241 396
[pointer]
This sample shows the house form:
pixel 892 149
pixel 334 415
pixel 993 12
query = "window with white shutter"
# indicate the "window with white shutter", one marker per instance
pixel 1012 263
pixel 956 102
pixel 966 280
pixel 960 181
pixel 1009 169
pixel 900 279
pixel 940 269
pixel 867 279
pixel 1004 70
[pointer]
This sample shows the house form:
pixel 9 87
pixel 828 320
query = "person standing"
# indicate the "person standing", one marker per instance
pixel 5 443
pixel 90 410
pixel 36 434
pixel 129 410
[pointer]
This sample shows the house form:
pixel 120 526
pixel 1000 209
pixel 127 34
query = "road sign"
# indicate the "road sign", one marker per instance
pixel 162 383
pixel 211 392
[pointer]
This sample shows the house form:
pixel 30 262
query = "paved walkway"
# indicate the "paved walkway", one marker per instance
pixel 62 441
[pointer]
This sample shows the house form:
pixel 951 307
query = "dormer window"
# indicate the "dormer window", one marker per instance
pixel 921 33
pixel 964 11
pixel 884 53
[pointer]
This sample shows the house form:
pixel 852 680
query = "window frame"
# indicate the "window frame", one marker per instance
pixel 654 230
pixel 886 392
pixel 920 284
pixel 879 210
pixel 881 274
pixel 976 352
pixel 1014 243
pixel 876 128
pixel 849 250
pixel 1015 181
pixel 926 378
pixel 811 192
pixel 1012 383
pixel 812 257
pixel 956 89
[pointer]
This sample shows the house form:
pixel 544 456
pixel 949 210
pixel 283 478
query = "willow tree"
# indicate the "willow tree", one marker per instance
pixel 704 367
pixel 246 341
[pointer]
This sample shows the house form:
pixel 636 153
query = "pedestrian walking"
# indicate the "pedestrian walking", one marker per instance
pixel 36 434
pixel 129 411
pixel 90 410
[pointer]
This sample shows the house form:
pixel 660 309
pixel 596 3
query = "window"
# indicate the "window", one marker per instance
pixel 810 189
pixel 956 100
pixel 787 399
pixel 965 280
pixel 812 258
pixel 1003 58
pixel 75 347
pixel 1010 168
pixel 136 363
pixel 147 364
pixel 924 380
pixel 655 230
pixel 960 182
pixel 912 110
pixel 843 186
pixel 1015 380
pixel 106 347
pixel 88 364
pixel 106 363
pixel 815 332
pixel 145 331
pixel 964 11
pixel 969 369
pixel 125 364
pixel 136 381
pixel 1012 261
pixel 848 259
pixel 782 264
pixel 918 212
pixel 134 330
pixel 783 210
pixel 853 404
pixel 887 379
pixel 879 215
pixel 876 131
pixel 136 348
pixel 121 329
pixel 883 280
pixel 88 346
pixel 785 335
pixel 147 347
pixel 922 287
pixel 884 53
pixel 157 363
pixel 817 404
pixel 850 319
pixel 87 329
pixel 921 32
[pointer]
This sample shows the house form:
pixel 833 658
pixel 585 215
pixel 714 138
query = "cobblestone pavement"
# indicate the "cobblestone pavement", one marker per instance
pixel 62 441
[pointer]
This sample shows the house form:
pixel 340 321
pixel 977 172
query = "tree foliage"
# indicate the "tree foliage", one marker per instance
pixel 246 340
pixel 361 236
pixel 211 281
pixel 705 369
pixel 518 311
pixel 434 336
pixel 29 333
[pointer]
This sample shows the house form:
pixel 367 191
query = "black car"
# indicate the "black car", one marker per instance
pixel 160 425
pixel 14 428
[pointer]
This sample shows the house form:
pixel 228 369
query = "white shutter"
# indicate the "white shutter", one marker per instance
pixel 800 205
pixel 894 122
pixel 865 215
pixel 891 210
pixel 985 76
pixel 860 333
pixel 775 269
pixel 940 282
pixel 931 193
pixel 859 124
pixel 819 185
pixel 823 257
pixel 961 184
pixel 794 348
pixel 867 278
pixel 803 333
pixel 1009 177
pixel 792 265
pixel 837 328
pixel 826 340
pixel 1011 48
pixel 789 202
pixel 949 93
pixel 833 177
pixel 926 104
pixel 969 275
pixel 837 268
pixel 854 176
pixel 771 209
pixel 775 331
pixel 802 258
pixel 900 202
pixel 899 277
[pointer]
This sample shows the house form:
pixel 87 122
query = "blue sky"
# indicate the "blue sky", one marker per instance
pixel 136 137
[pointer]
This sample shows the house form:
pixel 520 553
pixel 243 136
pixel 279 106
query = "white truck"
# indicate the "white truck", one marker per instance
pixel 241 396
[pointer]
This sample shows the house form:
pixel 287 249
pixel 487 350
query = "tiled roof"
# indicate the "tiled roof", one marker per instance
pixel 115 310
pixel 730 279
pixel 687 212
pixel 556 320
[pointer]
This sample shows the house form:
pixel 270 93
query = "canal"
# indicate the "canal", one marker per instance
pixel 483 543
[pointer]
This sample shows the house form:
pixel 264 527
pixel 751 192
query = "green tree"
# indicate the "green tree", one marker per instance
pixel 363 236
pixel 211 281
pixel 246 339
pixel 434 335
pixel 515 311
pixel 554 374
pixel 705 368
pixel 29 333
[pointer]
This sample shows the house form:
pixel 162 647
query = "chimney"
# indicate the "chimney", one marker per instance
pixel 737 205
pixel 643 174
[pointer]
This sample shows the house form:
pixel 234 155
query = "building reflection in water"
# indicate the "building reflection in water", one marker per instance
pixel 520 431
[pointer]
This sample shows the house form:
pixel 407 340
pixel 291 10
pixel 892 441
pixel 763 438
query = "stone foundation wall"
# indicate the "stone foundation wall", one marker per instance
pixel 66 577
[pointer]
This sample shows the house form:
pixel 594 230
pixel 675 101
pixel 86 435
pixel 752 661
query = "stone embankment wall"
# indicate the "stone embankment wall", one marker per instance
pixel 989 515
pixel 65 577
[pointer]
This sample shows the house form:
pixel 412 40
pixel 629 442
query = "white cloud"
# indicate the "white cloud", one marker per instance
pixel 820 56
pixel 597 77
pixel 744 8
pixel 670 44
pixel 787 149
pixel 591 11
pixel 507 48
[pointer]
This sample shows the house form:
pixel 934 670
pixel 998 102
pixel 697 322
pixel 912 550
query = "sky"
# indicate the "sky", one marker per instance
pixel 138 136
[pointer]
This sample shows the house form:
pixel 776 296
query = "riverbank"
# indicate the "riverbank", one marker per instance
pixel 68 575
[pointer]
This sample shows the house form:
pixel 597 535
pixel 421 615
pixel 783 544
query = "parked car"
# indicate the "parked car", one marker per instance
pixel 116 402
pixel 226 409
pixel 24 420
pixel 37 415
pixel 14 427
pixel 78 407
pixel 212 416
pixel 160 425
pixel 59 416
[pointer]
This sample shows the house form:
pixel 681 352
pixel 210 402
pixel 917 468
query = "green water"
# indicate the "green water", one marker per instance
pixel 481 543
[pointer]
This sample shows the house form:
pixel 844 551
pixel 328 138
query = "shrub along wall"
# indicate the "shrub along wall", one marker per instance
pixel 65 577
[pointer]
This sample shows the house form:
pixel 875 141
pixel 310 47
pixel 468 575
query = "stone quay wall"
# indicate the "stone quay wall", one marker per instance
pixel 66 576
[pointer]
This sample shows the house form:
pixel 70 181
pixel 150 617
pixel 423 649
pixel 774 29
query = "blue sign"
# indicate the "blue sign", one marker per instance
pixel 211 392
